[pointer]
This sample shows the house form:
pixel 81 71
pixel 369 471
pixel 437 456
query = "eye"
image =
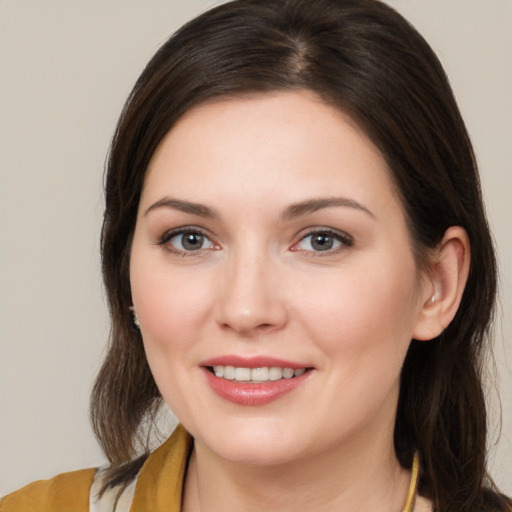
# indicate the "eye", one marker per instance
pixel 323 241
pixel 186 241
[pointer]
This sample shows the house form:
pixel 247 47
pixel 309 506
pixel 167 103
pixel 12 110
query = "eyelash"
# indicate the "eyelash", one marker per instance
pixel 169 235
pixel 342 238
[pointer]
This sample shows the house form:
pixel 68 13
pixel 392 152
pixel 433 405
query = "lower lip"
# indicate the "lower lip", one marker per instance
pixel 248 393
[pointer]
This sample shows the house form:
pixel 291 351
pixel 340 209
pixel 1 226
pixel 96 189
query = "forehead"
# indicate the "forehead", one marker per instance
pixel 275 148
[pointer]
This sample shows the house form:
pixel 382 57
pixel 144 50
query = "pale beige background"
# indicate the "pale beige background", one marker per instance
pixel 66 68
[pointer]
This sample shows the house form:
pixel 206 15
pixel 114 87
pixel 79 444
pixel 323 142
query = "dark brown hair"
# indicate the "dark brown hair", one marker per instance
pixel 365 59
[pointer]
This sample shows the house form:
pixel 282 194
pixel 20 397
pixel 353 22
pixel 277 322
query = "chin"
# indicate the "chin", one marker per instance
pixel 261 454
pixel 252 443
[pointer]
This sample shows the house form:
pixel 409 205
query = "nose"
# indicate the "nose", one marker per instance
pixel 251 300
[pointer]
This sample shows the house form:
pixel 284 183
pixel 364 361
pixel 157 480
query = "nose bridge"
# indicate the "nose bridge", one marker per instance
pixel 250 301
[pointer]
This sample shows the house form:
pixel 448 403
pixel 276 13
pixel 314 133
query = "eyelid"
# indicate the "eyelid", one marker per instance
pixel 165 238
pixel 344 238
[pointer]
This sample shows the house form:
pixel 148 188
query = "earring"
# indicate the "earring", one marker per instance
pixel 433 298
pixel 135 317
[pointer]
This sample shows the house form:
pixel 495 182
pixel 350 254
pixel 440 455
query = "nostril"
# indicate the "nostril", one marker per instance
pixel 250 313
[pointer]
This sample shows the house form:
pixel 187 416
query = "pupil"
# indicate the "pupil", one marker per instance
pixel 322 242
pixel 192 241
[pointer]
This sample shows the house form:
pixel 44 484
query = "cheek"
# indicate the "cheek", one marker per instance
pixel 172 308
pixel 368 309
pixel 171 305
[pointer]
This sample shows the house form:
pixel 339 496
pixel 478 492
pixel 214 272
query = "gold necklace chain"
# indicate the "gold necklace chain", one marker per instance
pixel 411 493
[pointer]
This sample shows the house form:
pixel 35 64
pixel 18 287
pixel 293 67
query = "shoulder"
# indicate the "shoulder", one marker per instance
pixel 160 481
pixel 157 487
pixel 67 492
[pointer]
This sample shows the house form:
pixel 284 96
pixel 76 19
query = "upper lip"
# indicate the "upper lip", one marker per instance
pixel 252 362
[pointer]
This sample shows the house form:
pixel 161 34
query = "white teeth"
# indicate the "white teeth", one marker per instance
pixel 259 374
pixel 264 374
pixel 275 373
pixel 242 374
pixel 288 373
pixel 229 372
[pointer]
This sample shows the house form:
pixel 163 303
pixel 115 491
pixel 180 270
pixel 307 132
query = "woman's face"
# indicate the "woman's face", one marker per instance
pixel 269 236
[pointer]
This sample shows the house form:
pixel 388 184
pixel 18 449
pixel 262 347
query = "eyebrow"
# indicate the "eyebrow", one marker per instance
pixel 291 212
pixel 313 205
pixel 184 206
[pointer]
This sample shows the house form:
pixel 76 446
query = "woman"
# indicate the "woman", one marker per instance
pixel 298 263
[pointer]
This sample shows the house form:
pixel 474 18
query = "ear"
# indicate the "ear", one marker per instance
pixel 447 275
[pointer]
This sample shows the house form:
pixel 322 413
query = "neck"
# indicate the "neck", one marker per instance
pixel 351 479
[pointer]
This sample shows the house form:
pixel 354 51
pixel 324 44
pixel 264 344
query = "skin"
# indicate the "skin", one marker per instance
pixel 258 287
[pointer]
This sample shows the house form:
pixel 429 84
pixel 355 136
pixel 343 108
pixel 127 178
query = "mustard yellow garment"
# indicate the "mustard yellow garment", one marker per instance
pixel 158 489
pixel 160 482
pixel 68 492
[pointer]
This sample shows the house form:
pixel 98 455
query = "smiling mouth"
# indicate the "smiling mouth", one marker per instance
pixel 256 375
